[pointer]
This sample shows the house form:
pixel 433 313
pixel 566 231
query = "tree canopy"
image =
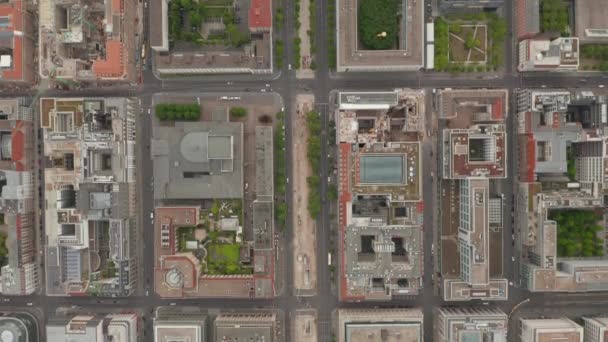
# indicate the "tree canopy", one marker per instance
pixel 577 233
pixel 377 21
pixel 178 111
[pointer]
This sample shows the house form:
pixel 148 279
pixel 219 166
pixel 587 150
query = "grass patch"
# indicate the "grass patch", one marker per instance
pixel 577 233
pixel 224 258
pixel 495 33
pixel 595 57
pixel 377 23
pixel 554 16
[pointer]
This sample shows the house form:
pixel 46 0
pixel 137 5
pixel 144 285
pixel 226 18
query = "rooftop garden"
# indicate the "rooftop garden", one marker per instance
pixel 3 250
pixel 214 242
pixel 577 233
pixel 187 19
pixel 554 16
pixel 378 24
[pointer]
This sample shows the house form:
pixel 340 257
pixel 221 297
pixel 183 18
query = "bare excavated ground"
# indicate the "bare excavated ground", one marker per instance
pixel 305 261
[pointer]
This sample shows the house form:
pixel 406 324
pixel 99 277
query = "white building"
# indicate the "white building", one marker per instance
pixel 560 54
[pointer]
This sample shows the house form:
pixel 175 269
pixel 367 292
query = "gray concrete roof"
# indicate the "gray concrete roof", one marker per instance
pixel 198 160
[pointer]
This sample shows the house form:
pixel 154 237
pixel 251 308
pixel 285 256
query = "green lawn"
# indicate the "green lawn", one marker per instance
pixel 224 258
pixel 577 233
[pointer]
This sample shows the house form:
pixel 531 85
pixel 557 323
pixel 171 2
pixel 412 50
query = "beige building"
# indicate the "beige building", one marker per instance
pixel 171 324
pixel 546 330
pixel 453 324
pixel 377 325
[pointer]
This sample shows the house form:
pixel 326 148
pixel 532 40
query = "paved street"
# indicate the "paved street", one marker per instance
pixel 284 83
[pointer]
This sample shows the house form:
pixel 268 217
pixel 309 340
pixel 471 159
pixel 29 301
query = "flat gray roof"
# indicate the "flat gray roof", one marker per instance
pixel 198 160
pixel 264 176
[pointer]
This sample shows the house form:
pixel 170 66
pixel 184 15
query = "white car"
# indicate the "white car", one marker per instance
pixel 152 215
pixel 600 86
pixel 149 111
pixel 289 67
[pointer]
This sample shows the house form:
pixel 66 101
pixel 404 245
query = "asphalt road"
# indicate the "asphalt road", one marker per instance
pixel 287 86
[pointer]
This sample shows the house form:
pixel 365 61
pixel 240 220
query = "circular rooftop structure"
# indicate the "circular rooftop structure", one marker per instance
pixel 174 278
pixel 193 147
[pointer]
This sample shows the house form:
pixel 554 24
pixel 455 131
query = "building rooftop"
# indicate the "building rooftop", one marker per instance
pixel 17 158
pixel 546 55
pixel 88 42
pixel 382 260
pixel 260 15
pixel 408 54
pixel 19 327
pixel 258 326
pixel 380 192
pixel 16 43
pixel 474 281
pixel 528 18
pixel 550 330
pixel 472 324
pixel 479 151
pixel 198 160
pixel 376 325
pixel 590 21
pixel 89 146
pixel 181 324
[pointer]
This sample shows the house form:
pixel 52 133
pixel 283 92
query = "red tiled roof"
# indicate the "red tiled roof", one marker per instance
pixel 260 14
pixel 13 10
pixel 497 113
pixel 113 65
pixel 117 6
